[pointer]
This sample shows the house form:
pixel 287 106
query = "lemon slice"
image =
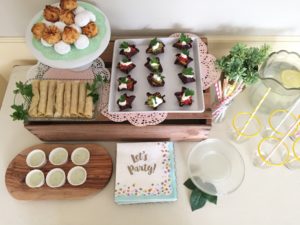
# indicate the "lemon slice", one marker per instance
pixel 290 78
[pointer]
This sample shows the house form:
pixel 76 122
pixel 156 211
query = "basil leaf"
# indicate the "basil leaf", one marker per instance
pixel 124 45
pixel 122 98
pixel 185 52
pixel 197 199
pixel 189 184
pixel 188 71
pixel 153 41
pixel 189 92
pixel 211 198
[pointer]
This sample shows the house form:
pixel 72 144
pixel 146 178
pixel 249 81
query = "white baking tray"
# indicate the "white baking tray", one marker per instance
pixel 170 71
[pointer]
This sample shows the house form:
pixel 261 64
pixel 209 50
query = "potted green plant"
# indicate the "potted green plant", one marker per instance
pixel 239 69
pixel 242 63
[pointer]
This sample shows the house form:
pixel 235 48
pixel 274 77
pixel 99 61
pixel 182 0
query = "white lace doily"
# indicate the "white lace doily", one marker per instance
pixel 42 71
pixel 209 74
pixel 136 119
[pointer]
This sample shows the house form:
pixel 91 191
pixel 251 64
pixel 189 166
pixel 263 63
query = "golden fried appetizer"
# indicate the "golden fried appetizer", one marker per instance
pixel 68 4
pixel 90 29
pixel 67 17
pixel 70 35
pixel 38 30
pixel 51 13
pixel 51 35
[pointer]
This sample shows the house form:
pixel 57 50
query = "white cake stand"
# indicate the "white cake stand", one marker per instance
pixel 80 63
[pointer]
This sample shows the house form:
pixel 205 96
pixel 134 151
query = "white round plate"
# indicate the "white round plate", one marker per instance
pixel 216 167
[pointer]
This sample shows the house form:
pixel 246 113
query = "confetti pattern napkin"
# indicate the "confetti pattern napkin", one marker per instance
pixel 145 173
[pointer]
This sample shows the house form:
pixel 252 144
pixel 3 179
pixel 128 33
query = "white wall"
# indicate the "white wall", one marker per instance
pixel 210 17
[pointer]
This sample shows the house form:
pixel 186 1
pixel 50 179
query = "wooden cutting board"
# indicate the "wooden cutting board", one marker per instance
pixel 99 171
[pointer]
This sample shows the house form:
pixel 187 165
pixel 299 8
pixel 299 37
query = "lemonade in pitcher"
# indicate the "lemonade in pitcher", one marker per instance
pixel 281 73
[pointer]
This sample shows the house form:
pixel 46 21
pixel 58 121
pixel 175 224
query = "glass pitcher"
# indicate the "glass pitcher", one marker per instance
pixel 284 93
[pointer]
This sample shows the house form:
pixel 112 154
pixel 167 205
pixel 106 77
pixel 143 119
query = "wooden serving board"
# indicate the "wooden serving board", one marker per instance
pixel 177 126
pixel 99 171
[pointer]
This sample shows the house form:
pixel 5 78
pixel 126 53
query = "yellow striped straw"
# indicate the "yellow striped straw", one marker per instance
pixel 253 113
pixel 282 141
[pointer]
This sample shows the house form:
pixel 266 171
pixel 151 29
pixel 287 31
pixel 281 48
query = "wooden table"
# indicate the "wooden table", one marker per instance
pixel 268 197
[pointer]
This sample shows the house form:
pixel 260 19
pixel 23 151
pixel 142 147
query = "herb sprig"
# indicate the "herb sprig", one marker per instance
pixel 20 111
pixel 154 41
pixel 154 60
pixel 189 92
pixel 184 38
pixel 24 89
pixel 188 71
pixel 242 62
pixel 124 45
pixel 94 87
pixel 123 80
pixel 126 60
pixel 185 52
pixel 122 98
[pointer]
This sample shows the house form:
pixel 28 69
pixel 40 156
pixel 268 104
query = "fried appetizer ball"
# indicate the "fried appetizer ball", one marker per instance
pixel 68 4
pixel 51 13
pixel 51 35
pixel 38 30
pixel 70 35
pixel 67 17
pixel 90 29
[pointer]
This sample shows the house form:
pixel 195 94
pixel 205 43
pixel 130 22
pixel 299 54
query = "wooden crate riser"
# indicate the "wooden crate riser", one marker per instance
pixel 119 132
pixel 177 127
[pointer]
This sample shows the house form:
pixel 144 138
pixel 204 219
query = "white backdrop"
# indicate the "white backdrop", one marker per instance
pixel 210 17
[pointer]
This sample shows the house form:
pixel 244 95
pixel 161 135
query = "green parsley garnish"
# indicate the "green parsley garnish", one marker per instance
pixel 123 80
pixel 153 41
pixel 154 60
pixel 122 98
pixel 20 112
pixel 25 90
pixel 94 87
pixel 184 38
pixel 125 60
pixel 185 52
pixel 188 71
pixel 124 45
pixel 189 92
pixel 243 62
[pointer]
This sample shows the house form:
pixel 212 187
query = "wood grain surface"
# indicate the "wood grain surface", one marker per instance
pixel 99 171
